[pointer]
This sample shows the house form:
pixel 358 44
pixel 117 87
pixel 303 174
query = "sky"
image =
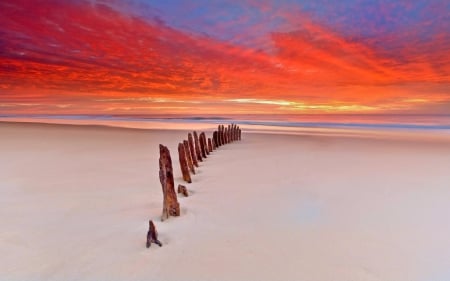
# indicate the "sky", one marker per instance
pixel 225 57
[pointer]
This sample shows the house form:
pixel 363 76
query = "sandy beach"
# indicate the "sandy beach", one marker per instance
pixel 76 200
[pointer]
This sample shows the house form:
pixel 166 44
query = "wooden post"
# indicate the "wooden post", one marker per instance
pixel 189 157
pixel 192 150
pixel 184 163
pixel 219 143
pixel 171 207
pixel 197 147
pixel 215 139
pixel 183 190
pixel 210 146
pixel 152 235
pixel 225 135
pixel 222 137
pixel 202 145
pixel 205 141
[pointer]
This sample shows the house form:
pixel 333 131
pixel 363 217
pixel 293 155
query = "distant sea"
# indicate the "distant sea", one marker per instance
pixel 363 121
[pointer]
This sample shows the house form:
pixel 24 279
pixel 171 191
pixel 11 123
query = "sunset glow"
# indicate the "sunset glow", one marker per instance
pixel 212 57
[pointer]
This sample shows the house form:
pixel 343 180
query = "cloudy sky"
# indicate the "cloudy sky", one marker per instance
pixel 217 57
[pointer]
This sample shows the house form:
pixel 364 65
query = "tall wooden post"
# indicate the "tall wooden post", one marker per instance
pixel 192 150
pixel 197 147
pixel 210 146
pixel 202 145
pixel 189 157
pixel 171 207
pixel 222 139
pixel 215 140
pixel 184 163
pixel 219 141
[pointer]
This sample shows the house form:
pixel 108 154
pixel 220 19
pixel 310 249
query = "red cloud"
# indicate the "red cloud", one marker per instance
pixel 77 53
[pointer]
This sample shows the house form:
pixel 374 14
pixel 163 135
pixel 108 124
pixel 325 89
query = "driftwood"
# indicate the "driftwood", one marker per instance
pixel 197 147
pixel 210 146
pixel 183 190
pixel 152 235
pixel 171 207
pixel 192 150
pixel 189 157
pixel 184 163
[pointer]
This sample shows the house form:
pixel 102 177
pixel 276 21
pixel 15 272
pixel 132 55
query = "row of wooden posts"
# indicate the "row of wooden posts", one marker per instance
pixel 190 152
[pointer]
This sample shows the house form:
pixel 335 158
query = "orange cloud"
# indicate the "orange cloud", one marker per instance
pixel 80 57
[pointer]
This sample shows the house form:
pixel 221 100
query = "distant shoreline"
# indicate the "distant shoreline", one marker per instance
pixel 373 132
pixel 391 122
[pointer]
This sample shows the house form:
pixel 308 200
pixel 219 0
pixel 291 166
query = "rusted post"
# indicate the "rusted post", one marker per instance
pixel 222 139
pixel 171 207
pixel 219 142
pixel 225 135
pixel 192 150
pixel 202 145
pixel 184 163
pixel 197 147
pixel 222 135
pixel 215 140
pixel 152 235
pixel 210 146
pixel 189 157
pixel 183 190
pixel 206 144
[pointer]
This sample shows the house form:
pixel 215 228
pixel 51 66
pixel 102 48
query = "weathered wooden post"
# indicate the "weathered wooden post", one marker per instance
pixel 205 140
pixel 226 135
pixel 184 163
pixel 222 135
pixel 183 190
pixel 219 142
pixel 152 235
pixel 229 133
pixel 192 150
pixel 202 145
pixel 215 140
pixel 239 133
pixel 189 157
pixel 210 146
pixel 197 147
pixel 171 207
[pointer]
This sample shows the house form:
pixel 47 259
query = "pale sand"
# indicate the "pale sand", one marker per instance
pixel 75 203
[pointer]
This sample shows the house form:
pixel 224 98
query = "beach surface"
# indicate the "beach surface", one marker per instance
pixel 75 203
